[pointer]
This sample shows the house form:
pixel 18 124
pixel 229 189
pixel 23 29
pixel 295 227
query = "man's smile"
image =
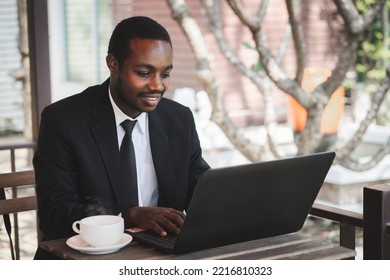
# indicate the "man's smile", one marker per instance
pixel 151 99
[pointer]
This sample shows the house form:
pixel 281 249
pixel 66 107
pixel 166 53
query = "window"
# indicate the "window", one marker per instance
pixel 88 26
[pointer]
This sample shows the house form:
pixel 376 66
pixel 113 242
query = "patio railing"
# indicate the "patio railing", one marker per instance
pixel 375 222
pixel 12 148
pixel 30 145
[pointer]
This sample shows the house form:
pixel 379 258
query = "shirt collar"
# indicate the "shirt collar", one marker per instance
pixel 120 116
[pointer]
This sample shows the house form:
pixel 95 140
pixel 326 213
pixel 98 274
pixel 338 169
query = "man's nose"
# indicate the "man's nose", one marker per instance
pixel 156 83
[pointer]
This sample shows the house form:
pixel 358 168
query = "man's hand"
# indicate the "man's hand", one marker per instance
pixel 158 219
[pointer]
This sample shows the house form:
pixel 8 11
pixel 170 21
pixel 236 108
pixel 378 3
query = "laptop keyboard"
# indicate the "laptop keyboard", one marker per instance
pixel 166 242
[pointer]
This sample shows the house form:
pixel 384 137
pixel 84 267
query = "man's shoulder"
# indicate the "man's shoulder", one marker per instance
pixel 171 106
pixel 72 103
pixel 173 113
pixel 84 95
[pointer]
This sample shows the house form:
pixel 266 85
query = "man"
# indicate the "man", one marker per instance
pixel 78 161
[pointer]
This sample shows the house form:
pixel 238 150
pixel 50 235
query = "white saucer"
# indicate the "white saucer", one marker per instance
pixel 77 243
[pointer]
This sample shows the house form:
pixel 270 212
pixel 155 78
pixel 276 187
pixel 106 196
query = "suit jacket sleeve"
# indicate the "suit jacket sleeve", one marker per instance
pixel 56 174
pixel 72 180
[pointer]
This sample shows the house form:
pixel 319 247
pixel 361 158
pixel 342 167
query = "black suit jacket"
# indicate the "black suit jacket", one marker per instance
pixel 77 160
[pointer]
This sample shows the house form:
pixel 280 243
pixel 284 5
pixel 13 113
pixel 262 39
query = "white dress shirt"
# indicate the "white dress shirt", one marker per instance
pixel 146 174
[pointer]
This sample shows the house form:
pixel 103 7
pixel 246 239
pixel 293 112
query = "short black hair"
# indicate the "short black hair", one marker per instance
pixel 138 27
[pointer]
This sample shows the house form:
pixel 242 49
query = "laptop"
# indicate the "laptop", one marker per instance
pixel 247 202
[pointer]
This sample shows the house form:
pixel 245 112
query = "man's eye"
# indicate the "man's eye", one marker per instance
pixel 143 74
pixel 165 75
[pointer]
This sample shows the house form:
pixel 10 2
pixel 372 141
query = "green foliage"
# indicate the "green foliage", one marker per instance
pixel 248 45
pixel 374 54
pixel 364 5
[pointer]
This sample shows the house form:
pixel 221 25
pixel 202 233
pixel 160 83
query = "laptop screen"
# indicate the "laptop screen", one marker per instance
pixel 252 201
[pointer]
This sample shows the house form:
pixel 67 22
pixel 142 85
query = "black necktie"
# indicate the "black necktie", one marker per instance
pixel 129 170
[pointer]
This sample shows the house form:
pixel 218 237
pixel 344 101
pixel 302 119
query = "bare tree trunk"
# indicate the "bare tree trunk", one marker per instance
pixel 314 102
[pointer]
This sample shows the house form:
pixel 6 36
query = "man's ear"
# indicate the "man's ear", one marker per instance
pixel 112 63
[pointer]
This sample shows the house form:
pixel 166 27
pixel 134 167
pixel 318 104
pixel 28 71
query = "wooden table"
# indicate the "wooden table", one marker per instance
pixel 290 246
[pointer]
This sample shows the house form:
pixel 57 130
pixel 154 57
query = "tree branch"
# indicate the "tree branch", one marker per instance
pixel 354 22
pixel 298 39
pixel 216 28
pixel 244 16
pixel 343 153
pixel 206 76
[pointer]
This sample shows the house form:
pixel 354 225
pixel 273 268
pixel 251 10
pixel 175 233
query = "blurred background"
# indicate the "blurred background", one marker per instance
pixel 267 80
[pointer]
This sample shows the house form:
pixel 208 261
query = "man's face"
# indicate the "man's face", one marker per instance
pixel 140 83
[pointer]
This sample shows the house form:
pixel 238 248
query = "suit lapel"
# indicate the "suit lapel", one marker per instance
pixel 105 135
pixel 162 159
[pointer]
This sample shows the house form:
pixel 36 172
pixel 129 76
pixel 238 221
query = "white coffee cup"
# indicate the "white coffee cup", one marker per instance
pixel 100 230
